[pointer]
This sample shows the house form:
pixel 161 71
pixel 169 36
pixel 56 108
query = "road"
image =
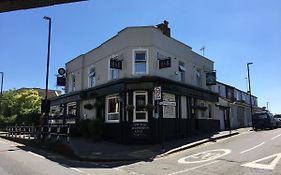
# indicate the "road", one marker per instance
pixel 247 153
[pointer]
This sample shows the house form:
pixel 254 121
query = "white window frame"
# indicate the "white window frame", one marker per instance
pixel 110 71
pixel 73 83
pixel 71 104
pixel 182 71
pixel 146 59
pixel 135 106
pixel 106 109
pixel 89 79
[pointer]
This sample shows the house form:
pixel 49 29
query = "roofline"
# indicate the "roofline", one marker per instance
pixel 235 88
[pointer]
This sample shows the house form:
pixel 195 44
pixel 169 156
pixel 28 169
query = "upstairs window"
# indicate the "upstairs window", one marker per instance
pixel 182 71
pixel 199 77
pixel 140 62
pixel 73 82
pixel 114 73
pixel 92 77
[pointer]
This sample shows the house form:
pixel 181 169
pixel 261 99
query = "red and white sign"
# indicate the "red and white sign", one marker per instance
pixel 157 93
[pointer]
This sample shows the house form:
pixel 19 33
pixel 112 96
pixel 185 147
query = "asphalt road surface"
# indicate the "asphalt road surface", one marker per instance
pixel 250 153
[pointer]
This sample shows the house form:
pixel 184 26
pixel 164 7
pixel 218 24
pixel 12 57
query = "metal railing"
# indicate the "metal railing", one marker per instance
pixel 47 132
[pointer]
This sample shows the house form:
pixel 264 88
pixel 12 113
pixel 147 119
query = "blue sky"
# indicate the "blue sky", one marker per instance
pixel 234 32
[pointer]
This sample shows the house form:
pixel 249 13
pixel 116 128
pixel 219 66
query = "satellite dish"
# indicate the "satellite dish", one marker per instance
pixel 61 71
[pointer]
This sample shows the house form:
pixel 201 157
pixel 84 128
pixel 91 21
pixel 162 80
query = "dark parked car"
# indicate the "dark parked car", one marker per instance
pixel 277 117
pixel 262 120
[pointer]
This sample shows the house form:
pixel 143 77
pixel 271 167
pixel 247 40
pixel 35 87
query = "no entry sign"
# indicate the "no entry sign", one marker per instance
pixel 157 93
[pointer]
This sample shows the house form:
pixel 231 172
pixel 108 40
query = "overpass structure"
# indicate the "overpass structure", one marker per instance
pixel 11 5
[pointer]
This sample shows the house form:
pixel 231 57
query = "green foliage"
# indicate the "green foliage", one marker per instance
pixel 21 107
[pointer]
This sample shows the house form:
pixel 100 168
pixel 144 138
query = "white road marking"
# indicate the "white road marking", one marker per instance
pixel 252 148
pixel 193 168
pixel 80 171
pixel 275 137
pixel 37 155
pixel 204 156
pixel 269 166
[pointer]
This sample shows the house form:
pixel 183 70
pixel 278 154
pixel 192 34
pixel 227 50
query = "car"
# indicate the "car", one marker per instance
pixel 263 120
pixel 277 117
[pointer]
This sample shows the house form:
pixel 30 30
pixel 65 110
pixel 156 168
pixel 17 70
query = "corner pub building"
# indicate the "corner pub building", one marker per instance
pixel 116 81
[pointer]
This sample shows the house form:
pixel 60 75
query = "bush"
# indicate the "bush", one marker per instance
pixel 6 121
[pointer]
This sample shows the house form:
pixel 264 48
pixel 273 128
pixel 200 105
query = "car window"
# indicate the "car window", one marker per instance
pixel 260 116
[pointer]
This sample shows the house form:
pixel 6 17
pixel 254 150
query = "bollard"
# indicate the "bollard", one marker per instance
pixel 49 132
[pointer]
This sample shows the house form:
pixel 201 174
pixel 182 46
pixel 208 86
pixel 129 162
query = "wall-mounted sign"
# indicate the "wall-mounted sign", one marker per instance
pixel 140 130
pixel 115 64
pixel 211 78
pixel 61 71
pixel 157 93
pixel 60 81
pixel 165 63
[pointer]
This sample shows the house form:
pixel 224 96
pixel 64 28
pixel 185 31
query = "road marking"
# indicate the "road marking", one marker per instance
pixel 252 148
pixel 204 156
pixel 193 168
pixel 37 155
pixel 269 166
pixel 80 171
pixel 275 137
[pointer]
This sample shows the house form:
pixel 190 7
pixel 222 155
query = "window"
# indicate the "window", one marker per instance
pixel 199 77
pixel 182 70
pixel 140 62
pixel 73 82
pixel 112 108
pixel 210 111
pixel 71 108
pixel 140 101
pixel 92 77
pixel 114 74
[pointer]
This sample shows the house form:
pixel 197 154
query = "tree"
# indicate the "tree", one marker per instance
pixel 23 105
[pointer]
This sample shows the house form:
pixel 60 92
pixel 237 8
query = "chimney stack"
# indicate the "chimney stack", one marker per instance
pixel 164 28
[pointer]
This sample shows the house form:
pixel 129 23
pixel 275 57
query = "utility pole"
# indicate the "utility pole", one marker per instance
pixel 249 81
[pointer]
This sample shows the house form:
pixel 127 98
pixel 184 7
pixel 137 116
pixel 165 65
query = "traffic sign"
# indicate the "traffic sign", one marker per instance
pixel 157 93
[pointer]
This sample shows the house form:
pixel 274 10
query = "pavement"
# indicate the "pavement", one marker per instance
pixel 86 149
pixel 105 151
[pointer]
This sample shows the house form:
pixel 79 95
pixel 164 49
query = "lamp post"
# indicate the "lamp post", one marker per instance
pixel 249 82
pixel 2 80
pixel 267 106
pixel 46 103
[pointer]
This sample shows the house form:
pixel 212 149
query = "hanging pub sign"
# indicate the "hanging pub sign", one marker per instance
pixel 211 78
pixel 61 81
pixel 115 64
pixel 165 63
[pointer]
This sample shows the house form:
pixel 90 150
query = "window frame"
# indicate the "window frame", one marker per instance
pixel 89 77
pixel 134 51
pixel 107 98
pixel 182 71
pixel 136 93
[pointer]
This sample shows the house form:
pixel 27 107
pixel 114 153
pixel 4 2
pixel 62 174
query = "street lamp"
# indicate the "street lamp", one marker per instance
pixel 46 102
pixel 267 106
pixel 249 82
pixel 2 80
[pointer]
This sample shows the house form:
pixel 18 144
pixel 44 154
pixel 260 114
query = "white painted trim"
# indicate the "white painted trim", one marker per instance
pixel 134 102
pixel 146 58
pixel 106 108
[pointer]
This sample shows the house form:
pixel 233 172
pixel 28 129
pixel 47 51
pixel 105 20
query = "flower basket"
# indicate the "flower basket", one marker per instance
pixel 88 106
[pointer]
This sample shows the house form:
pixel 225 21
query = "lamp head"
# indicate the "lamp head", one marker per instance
pixel 46 18
pixel 250 63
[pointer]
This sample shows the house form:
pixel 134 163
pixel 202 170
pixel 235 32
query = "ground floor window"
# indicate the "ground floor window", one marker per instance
pixel 140 101
pixel 169 111
pixel 71 108
pixel 112 108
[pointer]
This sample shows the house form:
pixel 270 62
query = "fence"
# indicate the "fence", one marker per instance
pixel 48 132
